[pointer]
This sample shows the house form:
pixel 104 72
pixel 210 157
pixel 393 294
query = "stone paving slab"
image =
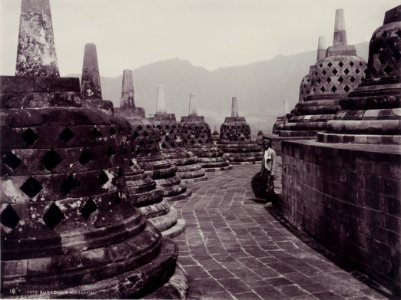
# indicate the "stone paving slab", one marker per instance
pixel 234 249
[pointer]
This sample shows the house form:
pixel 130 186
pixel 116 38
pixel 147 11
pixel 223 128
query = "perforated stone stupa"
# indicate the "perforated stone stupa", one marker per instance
pixel 371 113
pixel 67 225
pixel 142 190
pixel 197 137
pixel 235 139
pixel 91 90
pixel 188 168
pixel 329 81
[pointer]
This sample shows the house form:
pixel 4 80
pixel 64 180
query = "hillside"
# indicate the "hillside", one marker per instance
pixel 261 87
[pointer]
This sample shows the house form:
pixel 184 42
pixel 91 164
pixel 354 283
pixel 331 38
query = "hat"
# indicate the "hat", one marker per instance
pixel 266 138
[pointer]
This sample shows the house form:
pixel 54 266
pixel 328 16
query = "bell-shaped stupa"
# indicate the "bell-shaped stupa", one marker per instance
pixel 91 90
pixel 171 146
pixel 67 225
pixel 371 114
pixel 197 137
pixel 329 80
pixel 235 138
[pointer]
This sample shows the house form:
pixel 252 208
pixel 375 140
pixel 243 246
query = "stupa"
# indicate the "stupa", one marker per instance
pixel 91 90
pixel 197 137
pixel 235 139
pixel 67 227
pixel 142 190
pixel 331 78
pixel 371 112
pixel 171 146
pixel 146 138
pixel 349 197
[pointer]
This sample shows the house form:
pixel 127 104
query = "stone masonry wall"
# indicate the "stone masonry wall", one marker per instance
pixel 348 198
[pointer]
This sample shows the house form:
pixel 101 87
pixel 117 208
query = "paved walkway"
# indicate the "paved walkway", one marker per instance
pixel 234 249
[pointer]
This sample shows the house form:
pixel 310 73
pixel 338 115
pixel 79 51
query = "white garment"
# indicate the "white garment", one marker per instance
pixel 269 158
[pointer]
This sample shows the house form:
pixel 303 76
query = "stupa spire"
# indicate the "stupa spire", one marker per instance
pixel 234 107
pixel 127 94
pixel 161 101
pixel 321 48
pixel 36 53
pixel 192 105
pixel 340 34
pixel 90 82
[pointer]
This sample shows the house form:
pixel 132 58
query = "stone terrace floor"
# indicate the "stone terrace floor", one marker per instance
pixel 234 249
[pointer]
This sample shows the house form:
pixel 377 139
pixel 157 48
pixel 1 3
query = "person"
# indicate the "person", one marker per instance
pixel 269 165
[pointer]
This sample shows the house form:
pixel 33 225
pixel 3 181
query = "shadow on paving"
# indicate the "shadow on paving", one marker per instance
pixel 234 249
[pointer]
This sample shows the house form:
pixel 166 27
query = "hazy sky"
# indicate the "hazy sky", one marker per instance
pixel 209 33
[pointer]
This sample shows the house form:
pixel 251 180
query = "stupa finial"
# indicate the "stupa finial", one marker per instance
pixel 127 93
pixel 161 102
pixel 321 48
pixel 36 54
pixel 234 107
pixel 90 82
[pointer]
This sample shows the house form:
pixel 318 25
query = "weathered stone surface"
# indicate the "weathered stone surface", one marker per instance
pixel 90 82
pixel 328 82
pixel 36 54
pixel 347 210
pixel 127 93
pixel 373 109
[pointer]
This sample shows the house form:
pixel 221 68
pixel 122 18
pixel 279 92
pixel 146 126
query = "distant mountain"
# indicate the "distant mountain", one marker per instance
pixel 260 87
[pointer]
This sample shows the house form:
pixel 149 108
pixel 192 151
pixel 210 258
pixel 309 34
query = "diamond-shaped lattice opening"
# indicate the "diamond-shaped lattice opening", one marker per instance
pixel 397 55
pixel 328 80
pixel 330 64
pixel 110 151
pixel 352 79
pixel 31 187
pixel 89 208
pixel 11 160
pixel 324 72
pixel 51 160
pixel 357 71
pixel 318 81
pixel 112 131
pixel 335 71
pixel 340 79
pixel 388 70
pixel 340 63
pixel 69 184
pixel 85 157
pixel 66 135
pixel 346 71
pixel 322 89
pixel 347 88
pixel 333 89
pixel 96 133
pixel 383 58
pixel 163 145
pixel 102 178
pixel 29 136
pixel 351 63
pixel 321 65
pixel 9 217
pixel 53 216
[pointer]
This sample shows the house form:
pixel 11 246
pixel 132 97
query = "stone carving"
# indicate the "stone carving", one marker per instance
pixel 127 105
pixel 329 81
pixel 67 224
pixel 371 112
pixel 197 137
pixel 171 145
pixel 235 139
pixel 91 90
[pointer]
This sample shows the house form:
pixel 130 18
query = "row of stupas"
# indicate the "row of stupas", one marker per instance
pixel 337 71
pixel 86 188
pixel 74 199
pixel 351 111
